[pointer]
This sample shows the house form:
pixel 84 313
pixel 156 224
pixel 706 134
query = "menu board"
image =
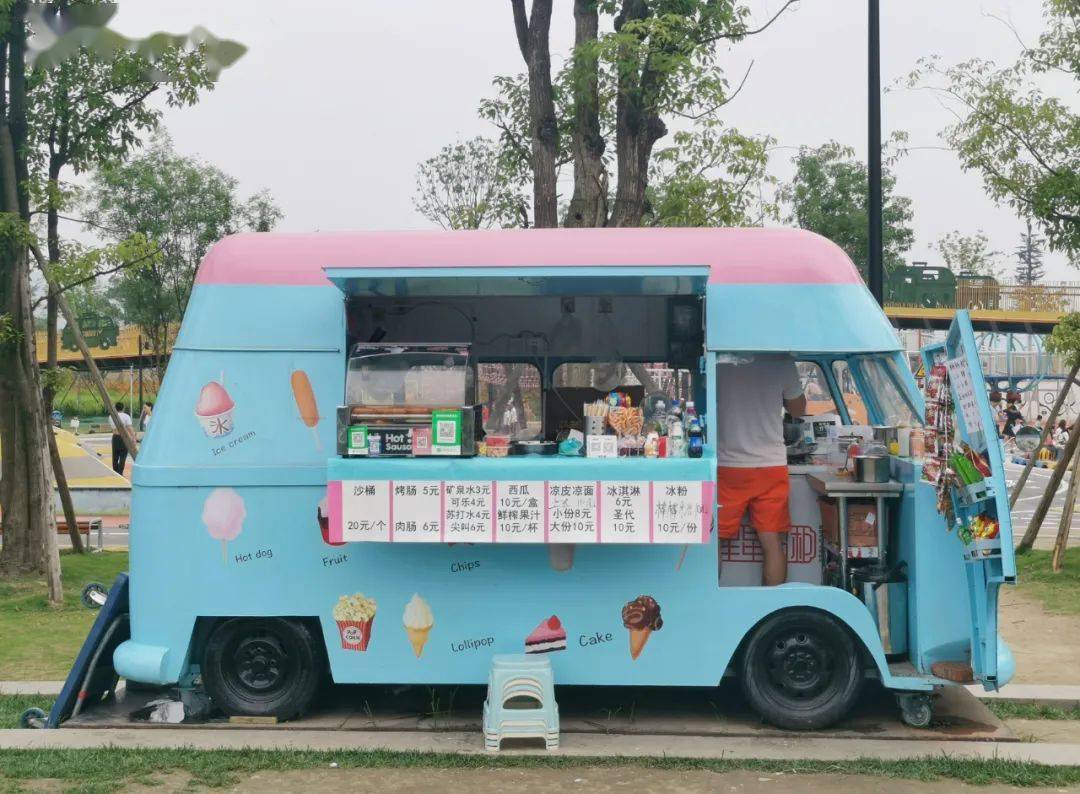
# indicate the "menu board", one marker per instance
pixel 571 512
pixel 523 511
pixel 519 512
pixel 417 511
pixel 467 512
pixel 966 401
pixel 678 512
pixel 365 510
pixel 625 512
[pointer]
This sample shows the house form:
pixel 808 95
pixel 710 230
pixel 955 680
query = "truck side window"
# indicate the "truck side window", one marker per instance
pixel 849 389
pixel 816 388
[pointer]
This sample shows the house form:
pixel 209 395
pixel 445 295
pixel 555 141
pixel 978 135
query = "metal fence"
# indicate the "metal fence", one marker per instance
pixel 986 293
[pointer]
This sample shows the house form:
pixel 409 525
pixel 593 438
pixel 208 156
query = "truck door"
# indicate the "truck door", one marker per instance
pixel 988 554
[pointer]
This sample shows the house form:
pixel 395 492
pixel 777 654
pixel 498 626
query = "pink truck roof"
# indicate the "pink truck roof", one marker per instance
pixel 733 256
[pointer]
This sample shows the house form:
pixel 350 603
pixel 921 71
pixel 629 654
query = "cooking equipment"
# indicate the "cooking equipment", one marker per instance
pixel 534 448
pixel 872 468
pixel 407 400
pixel 886 434
pixel 884 591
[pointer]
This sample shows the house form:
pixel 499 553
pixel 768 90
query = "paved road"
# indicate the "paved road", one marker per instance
pixel 1029 500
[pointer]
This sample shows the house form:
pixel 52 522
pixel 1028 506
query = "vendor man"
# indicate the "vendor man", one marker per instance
pixel 751 457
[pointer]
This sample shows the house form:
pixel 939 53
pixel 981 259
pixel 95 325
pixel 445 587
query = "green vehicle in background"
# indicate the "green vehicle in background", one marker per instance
pixel 934 287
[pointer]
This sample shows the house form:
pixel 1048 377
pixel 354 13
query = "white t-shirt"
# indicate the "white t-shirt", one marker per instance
pixel 125 420
pixel 749 412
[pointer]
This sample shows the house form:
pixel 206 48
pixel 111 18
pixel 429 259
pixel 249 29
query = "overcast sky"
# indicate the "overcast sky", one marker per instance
pixel 333 109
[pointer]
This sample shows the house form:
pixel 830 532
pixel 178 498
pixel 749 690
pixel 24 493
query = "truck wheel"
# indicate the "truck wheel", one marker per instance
pixel 262 667
pixel 801 670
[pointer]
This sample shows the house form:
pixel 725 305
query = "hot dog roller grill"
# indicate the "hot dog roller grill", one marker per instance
pixel 404 400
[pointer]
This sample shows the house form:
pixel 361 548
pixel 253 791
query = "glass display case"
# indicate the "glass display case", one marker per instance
pixel 404 400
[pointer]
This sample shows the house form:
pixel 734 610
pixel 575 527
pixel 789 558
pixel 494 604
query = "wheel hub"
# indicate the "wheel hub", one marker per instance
pixel 799 664
pixel 260 663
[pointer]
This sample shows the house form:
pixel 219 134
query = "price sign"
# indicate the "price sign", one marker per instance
pixel 679 512
pixel 966 396
pixel 519 511
pixel 365 510
pixel 467 511
pixel 417 511
pixel 571 512
pixel 624 512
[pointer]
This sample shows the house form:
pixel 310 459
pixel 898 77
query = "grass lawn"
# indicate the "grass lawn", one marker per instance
pixel 1030 711
pixel 1059 592
pixel 115 768
pixel 39 642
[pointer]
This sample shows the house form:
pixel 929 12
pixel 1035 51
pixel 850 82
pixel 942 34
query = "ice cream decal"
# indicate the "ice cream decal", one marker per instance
pixel 214 410
pixel 305 403
pixel 354 615
pixel 224 514
pixel 641 617
pixel 418 621
pixel 547 637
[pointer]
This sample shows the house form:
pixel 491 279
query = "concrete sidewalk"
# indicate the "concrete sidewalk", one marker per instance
pixel 573 745
pixel 1059 695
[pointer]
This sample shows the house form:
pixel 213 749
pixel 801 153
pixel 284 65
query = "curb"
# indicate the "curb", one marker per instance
pixel 584 746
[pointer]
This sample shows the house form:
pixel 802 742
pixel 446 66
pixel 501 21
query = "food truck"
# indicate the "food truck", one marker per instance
pixel 385 457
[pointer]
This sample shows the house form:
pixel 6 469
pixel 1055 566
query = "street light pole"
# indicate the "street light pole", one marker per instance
pixel 875 265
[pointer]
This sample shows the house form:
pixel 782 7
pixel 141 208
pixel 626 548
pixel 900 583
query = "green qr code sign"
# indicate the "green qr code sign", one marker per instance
pixel 358 440
pixel 446 428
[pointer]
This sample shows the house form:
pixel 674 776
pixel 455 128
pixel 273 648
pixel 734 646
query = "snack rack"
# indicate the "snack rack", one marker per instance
pixel 956 447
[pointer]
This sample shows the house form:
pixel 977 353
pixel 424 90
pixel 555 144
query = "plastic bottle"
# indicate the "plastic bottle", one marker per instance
pixel 674 416
pixel 676 441
pixel 696 441
pixel 660 418
pixel 689 415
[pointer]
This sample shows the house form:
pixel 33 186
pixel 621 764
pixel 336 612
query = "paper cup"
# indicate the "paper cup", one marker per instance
pixel 355 634
pixel 217 425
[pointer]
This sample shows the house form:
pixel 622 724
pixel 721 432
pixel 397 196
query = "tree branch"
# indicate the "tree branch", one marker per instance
pixel 754 32
pixel 521 27
pixel 97 274
pixel 716 107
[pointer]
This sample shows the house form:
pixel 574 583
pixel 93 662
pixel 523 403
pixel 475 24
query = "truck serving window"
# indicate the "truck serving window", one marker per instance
pixel 511 396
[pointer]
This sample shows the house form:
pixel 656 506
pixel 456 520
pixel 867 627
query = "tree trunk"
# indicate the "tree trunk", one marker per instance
pixel 26 476
pixel 1047 429
pixel 637 127
pixel 88 358
pixel 1057 560
pixel 53 241
pixel 1039 515
pixel 533 40
pixel 588 206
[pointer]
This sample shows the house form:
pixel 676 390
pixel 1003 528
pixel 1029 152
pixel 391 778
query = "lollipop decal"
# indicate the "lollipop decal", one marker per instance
pixel 305 403
pixel 224 514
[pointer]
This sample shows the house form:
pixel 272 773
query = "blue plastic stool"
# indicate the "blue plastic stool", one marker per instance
pixel 515 682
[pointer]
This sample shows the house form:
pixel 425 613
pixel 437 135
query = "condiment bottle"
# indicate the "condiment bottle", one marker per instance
pixel 918 443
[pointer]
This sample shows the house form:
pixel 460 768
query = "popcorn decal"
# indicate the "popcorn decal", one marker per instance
pixel 354 615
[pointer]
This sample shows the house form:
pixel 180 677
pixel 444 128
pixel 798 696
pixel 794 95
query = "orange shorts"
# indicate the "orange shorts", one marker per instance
pixel 762 491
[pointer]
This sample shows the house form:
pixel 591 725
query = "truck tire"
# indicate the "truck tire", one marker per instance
pixel 801 670
pixel 262 667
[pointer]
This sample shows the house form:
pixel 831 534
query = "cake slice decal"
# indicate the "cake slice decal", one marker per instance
pixel 547 637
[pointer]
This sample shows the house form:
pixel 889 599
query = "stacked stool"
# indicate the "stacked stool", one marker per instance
pixel 520 680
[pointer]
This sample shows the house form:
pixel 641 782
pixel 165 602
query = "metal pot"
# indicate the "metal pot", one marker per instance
pixel 871 468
